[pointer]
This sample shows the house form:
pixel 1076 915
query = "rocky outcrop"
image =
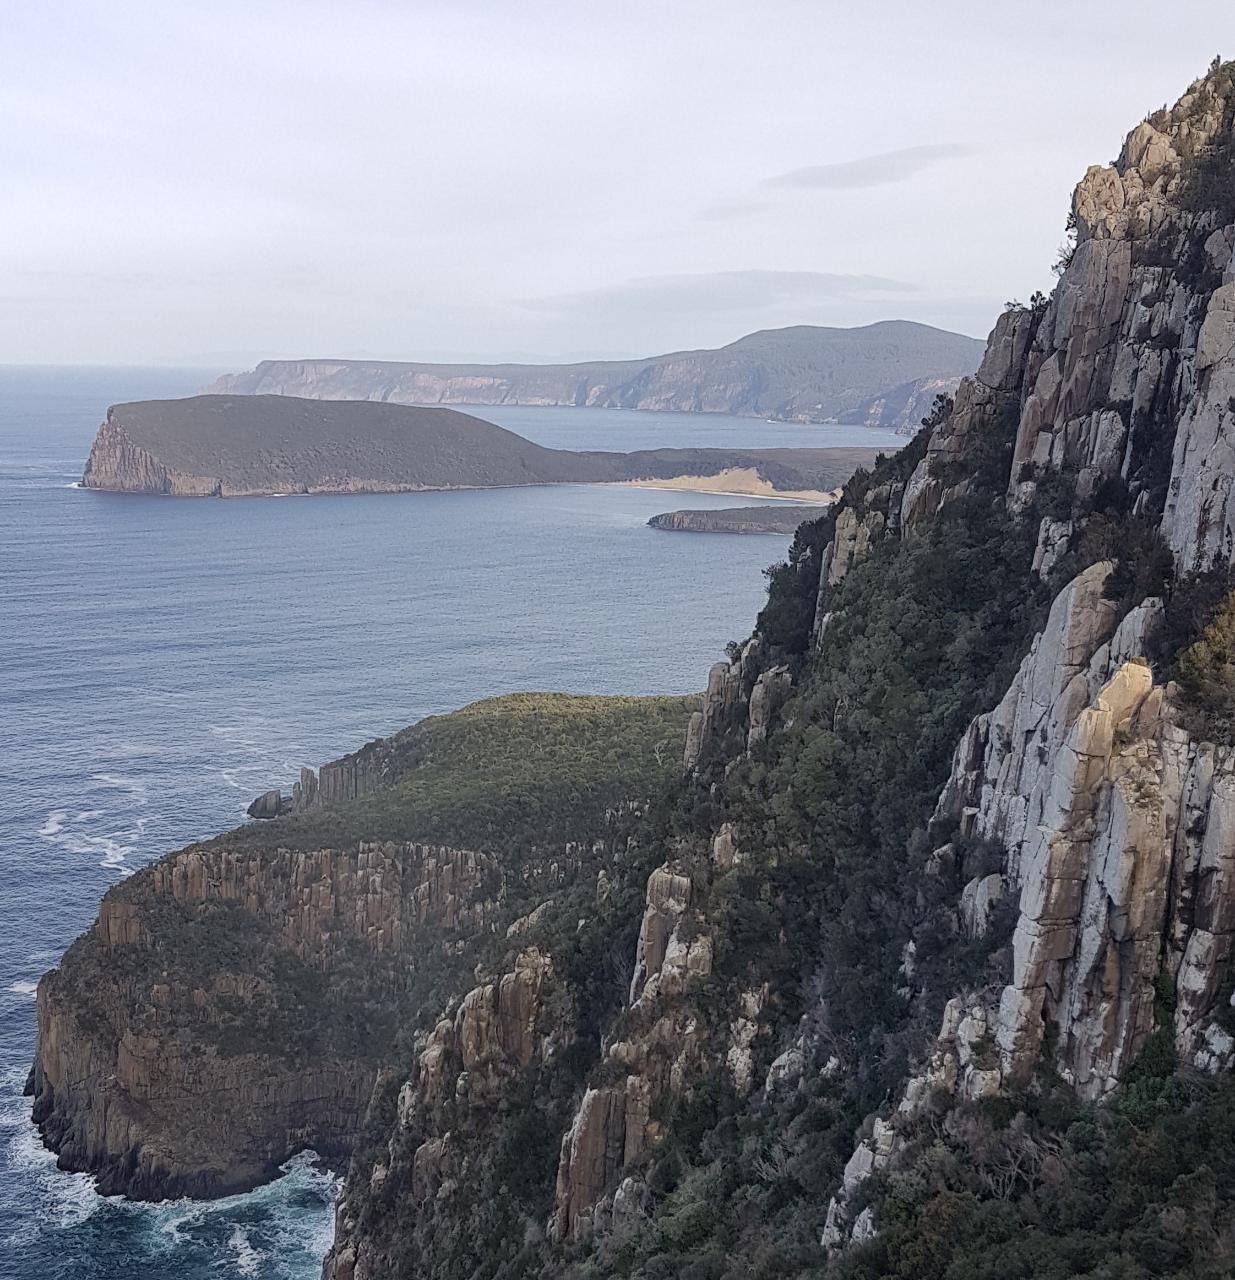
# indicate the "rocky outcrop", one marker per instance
pixel 895 507
pixel 902 409
pixel 876 374
pixel 1112 818
pixel 781 519
pixel 495 1032
pixel 743 698
pixel 962 1066
pixel 658 1057
pixel 1108 811
pixel 593 1150
pixel 270 804
pixel 461 1069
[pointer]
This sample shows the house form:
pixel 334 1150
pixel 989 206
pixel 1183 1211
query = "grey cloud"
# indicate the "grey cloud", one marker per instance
pixel 869 171
pixel 718 291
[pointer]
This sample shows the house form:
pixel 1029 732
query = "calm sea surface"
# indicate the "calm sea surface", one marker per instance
pixel 162 661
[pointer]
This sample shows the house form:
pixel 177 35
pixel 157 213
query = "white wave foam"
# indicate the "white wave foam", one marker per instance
pixel 135 788
pixel 13 1079
pixel 70 830
pixel 23 988
pixel 248 1259
pixel 54 823
pixel 112 849
pixel 67 1199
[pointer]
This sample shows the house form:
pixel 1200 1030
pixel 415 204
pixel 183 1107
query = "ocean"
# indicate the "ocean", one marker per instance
pixel 163 661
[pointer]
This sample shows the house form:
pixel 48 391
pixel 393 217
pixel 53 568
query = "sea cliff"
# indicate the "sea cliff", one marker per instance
pixel 237 1001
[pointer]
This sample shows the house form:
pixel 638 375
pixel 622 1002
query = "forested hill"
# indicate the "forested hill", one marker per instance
pixel 232 446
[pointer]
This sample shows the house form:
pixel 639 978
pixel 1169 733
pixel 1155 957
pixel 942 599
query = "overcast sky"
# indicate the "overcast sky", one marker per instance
pixel 214 182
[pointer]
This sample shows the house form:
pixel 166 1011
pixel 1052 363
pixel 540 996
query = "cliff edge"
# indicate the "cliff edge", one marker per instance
pixel 237 1001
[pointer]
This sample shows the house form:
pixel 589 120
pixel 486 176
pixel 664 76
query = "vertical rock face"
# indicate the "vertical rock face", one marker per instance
pixel 1106 809
pixel 1113 821
pixel 127 1047
pixel 495 1032
pixel 657 1058
pixel 743 699
pixel 592 1152
pixel 668 896
pixel 116 463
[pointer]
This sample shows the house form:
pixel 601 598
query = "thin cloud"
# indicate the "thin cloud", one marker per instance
pixel 727 210
pixel 717 291
pixel 869 171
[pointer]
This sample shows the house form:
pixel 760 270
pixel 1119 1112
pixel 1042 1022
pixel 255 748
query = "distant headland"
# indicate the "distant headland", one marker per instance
pixel 880 375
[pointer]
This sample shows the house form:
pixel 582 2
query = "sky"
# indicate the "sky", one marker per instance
pixel 213 183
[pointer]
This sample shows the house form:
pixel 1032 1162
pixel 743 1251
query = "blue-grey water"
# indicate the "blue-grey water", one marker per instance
pixel 162 661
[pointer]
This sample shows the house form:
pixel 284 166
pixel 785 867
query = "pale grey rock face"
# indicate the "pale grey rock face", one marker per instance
pixel 770 691
pixel 1117 826
pixel 1053 538
pixel 1093 883
pixel 786 1070
pixel 1199 521
pixel 960 1064
pixel 740 697
pixel 1119 845
pixel 978 900
pixel 892 509
pixel 668 897
pixel 726 702
pixel 998 785
pixel 725 850
pixel 628 1210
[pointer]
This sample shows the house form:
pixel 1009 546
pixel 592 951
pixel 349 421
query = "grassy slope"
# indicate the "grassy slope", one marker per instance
pixel 507 776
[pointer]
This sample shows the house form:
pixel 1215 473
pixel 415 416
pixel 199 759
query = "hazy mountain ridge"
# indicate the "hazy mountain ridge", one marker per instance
pixel 800 374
